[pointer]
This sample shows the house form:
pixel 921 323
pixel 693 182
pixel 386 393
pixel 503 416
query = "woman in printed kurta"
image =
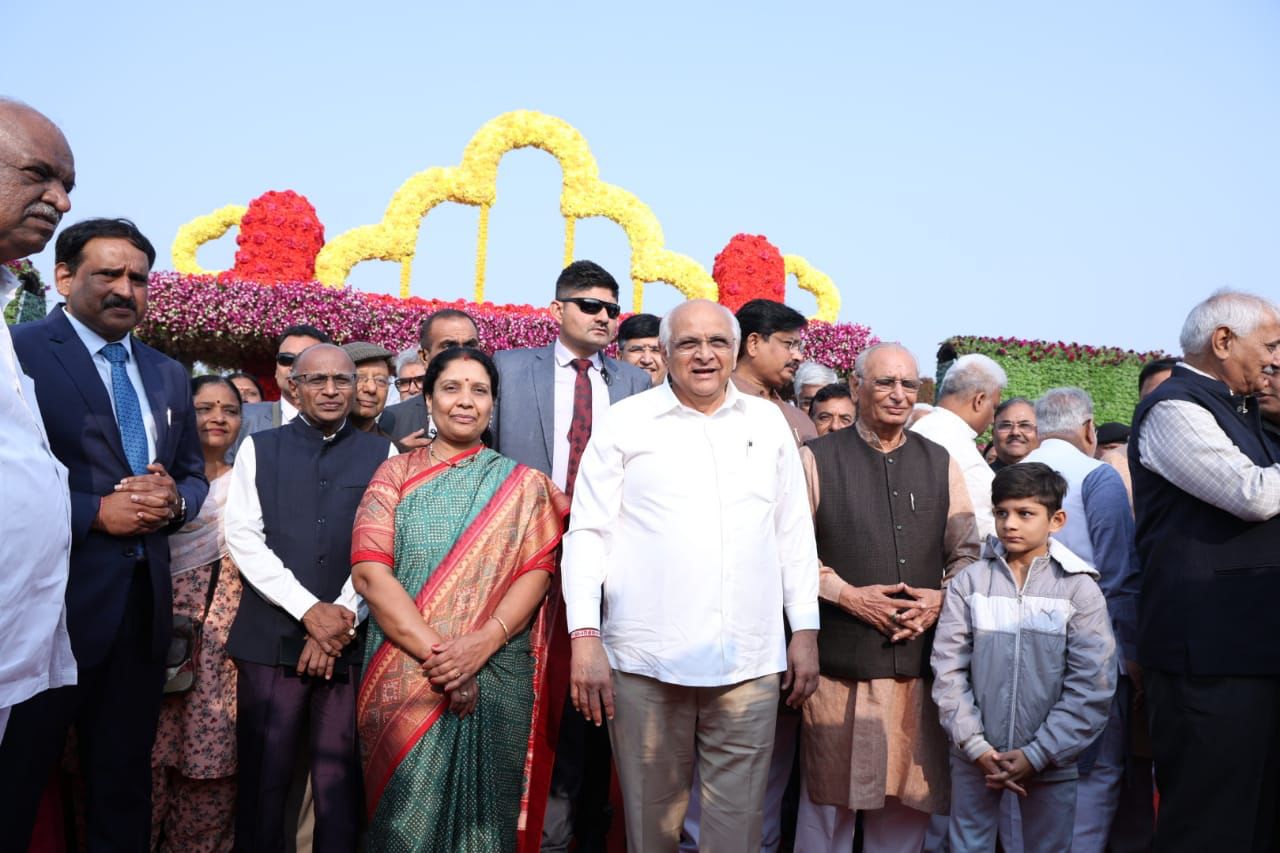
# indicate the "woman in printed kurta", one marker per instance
pixel 454 551
pixel 194 759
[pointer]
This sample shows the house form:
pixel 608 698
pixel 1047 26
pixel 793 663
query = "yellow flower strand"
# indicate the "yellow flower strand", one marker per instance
pixel 482 251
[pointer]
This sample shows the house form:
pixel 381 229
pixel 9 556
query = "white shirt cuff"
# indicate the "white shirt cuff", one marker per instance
pixel 802 617
pixel 299 602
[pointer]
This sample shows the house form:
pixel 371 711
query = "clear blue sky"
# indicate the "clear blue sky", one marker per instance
pixel 1083 171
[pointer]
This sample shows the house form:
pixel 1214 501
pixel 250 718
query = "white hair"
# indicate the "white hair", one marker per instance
pixel 407 357
pixel 1062 411
pixel 814 373
pixel 1240 312
pixel 664 326
pixel 970 374
pixel 860 362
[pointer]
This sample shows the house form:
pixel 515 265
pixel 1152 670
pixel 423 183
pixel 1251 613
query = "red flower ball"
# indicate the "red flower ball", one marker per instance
pixel 750 267
pixel 280 236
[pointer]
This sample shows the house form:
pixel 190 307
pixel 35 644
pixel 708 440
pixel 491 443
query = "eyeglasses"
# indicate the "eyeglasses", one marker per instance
pixel 286 359
pixel 1008 426
pixel 637 349
pixel 318 381
pixel 717 344
pixel 409 382
pixel 885 384
pixel 591 307
pixel 794 345
pixel 380 381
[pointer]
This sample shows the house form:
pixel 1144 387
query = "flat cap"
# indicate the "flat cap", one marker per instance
pixel 362 351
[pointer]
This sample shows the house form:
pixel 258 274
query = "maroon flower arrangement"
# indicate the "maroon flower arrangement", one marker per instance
pixel 1037 351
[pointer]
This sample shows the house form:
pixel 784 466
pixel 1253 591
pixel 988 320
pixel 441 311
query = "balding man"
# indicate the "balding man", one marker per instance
pixel 966 406
pixel 893 519
pixel 1207 490
pixel 37 173
pixel 291 505
pixel 690 525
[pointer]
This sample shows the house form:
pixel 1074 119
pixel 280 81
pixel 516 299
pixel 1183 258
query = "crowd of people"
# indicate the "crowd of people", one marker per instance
pixel 770 607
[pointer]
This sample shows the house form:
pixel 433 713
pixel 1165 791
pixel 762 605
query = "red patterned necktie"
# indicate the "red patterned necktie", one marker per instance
pixel 580 426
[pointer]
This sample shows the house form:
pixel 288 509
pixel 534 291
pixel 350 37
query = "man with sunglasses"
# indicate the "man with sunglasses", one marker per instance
pixel 548 399
pixel 290 344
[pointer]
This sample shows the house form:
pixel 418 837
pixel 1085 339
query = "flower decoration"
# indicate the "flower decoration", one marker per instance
pixel 280 236
pixel 819 284
pixel 199 231
pixel 28 303
pixel 750 267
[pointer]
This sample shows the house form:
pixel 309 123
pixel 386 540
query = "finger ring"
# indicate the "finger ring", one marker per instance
pixel 894 618
pixel 456 673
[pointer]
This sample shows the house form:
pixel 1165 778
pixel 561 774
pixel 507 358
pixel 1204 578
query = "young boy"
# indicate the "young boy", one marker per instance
pixel 1024 666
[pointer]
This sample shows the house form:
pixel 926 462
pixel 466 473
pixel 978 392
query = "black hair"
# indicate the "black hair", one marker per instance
pixel 1034 480
pixel 584 275
pixel 638 326
pixel 834 391
pixel 240 374
pixel 424 328
pixel 303 330
pixel 1151 368
pixel 214 379
pixel 69 249
pixel 1004 404
pixel 764 317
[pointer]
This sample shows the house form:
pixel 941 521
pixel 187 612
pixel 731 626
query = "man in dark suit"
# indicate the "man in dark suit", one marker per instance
pixel 547 401
pixel 260 416
pixel 120 418
pixel 406 422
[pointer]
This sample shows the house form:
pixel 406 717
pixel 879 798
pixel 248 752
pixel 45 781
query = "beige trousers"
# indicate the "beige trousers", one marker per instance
pixel 657 731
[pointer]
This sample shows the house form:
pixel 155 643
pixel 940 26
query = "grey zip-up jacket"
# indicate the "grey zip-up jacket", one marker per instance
pixel 1033 669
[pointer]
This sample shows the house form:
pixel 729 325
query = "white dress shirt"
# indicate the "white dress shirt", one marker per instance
pixel 94 343
pixel 287 411
pixel 35 538
pixel 695 531
pixel 1182 442
pixel 945 427
pixel 566 379
pixel 247 543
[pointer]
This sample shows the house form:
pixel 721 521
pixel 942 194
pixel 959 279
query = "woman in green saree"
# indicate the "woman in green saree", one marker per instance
pixel 454 550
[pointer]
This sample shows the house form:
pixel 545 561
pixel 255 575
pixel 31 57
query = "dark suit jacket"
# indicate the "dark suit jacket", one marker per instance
pixel 404 417
pixel 524 420
pixel 83 434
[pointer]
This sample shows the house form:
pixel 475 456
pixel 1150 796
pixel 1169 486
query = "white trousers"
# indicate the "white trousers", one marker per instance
pixel 830 829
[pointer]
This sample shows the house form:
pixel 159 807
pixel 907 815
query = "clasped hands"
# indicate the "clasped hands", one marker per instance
pixel 899 619
pixel 452 664
pixel 330 628
pixel 140 505
pixel 1006 770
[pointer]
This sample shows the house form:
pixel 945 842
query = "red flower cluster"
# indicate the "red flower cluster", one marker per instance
pixel 750 267
pixel 280 236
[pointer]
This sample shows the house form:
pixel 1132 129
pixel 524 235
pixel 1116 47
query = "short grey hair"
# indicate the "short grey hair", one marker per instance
pixel 1062 411
pixel 970 374
pixel 407 357
pixel 1240 312
pixel 664 326
pixel 814 373
pixel 860 363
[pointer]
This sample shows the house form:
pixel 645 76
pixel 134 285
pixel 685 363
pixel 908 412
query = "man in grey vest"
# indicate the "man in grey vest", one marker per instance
pixel 1099 530
pixel 893 518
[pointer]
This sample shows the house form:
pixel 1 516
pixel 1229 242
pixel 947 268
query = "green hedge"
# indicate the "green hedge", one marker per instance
pixel 1109 374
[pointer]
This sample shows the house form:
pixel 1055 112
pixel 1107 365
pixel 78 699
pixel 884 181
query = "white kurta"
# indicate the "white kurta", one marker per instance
pixel 35 539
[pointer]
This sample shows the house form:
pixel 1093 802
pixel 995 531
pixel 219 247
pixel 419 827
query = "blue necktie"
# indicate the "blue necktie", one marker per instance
pixel 133 432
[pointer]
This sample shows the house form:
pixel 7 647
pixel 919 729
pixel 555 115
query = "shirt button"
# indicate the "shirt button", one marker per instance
pixel 319 521
pixel 902 560
pixel 897 527
pixel 890 460
pixel 895 494
pixel 324 483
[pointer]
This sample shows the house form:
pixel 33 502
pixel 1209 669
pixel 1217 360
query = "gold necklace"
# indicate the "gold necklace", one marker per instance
pixel 431 451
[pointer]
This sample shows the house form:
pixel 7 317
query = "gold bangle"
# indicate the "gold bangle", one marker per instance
pixel 506 634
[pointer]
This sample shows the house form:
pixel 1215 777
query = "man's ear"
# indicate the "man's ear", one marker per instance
pixel 557 311
pixel 62 276
pixel 753 344
pixel 1221 342
pixel 979 400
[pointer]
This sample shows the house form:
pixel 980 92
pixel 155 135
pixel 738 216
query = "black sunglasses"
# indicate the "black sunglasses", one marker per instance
pixel 591 307
pixel 286 359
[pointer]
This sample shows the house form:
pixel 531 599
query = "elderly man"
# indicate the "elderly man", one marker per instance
pixel 692 492
pixel 410 369
pixel 37 173
pixel 119 416
pixel 769 356
pixel 290 509
pixel 893 518
pixel 1207 490
pixel 373 381
pixel 966 406
pixel 291 342
pixel 1099 530
pixel 1013 434
pixel 638 345
pixel 407 422
pixel 810 378
pixel 832 408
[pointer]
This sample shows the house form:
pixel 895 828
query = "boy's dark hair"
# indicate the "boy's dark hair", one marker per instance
pixel 584 275
pixel 1034 480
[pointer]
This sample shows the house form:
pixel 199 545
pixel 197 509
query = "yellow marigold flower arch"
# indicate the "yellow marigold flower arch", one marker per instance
pixel 199 231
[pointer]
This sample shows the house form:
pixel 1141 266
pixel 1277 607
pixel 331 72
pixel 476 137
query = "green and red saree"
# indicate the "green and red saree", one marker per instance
pixel 456 536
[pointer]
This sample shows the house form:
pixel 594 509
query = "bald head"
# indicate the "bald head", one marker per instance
pixel 37 173
pixel 323 380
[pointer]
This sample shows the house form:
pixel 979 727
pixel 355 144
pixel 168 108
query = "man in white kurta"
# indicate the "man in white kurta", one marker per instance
pixel 36 174
pixel 689 539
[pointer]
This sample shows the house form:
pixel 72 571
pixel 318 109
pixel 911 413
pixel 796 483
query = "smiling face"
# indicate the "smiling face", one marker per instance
pixel 323 380
pixel 461 402
pixel 1014 433
pixel 107 290
pixel 888 389
pixel 217 417
pixel 646 354
pixel 37 173
pixel 1245 358
pixel 582 333
pixel 373 381
pixel 701 354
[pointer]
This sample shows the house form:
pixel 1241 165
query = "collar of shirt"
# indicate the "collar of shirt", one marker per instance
pixel 951 422
pixel 869 436
pixel 287 411
pixel 8 286
pixel 323 437
pixel 666 402
pixel 563 356
pixel 93 341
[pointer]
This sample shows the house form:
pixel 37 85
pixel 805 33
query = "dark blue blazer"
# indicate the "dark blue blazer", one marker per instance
pixel 83 434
